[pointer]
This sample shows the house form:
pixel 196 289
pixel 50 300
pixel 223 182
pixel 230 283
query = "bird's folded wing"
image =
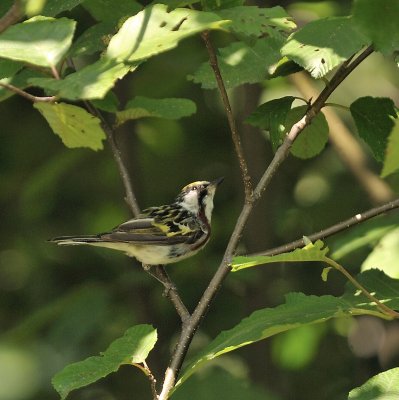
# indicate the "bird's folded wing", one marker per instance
pixel 143 231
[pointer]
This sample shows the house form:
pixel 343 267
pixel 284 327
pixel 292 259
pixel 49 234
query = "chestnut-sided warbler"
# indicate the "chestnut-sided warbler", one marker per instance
pixel 164 234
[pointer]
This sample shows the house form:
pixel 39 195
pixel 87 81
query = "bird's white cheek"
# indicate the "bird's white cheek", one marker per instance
pixel 191 202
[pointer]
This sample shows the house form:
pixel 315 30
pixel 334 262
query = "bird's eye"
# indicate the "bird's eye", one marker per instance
pixel 194 188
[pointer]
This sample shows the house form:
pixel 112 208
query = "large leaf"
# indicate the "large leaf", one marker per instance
pixel 240 63
pixel 55 7
pixel 155 30
pixel 374 118
pixel 313 138
pixel 391 161
pixel 299 310
pixel 105 10
pixel 323 44
pixel 9 68
pixel 258 22
pixel 311 252
pixel 38 41
pixel 384 386
pixel 131 348
pixel 74 125
pixel 91 82
pixel 141 107
pixel 271 116
pixel 378 20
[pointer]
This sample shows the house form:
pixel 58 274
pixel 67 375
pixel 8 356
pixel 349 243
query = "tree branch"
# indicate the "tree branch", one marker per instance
pixel 13 15
pixel 229 113
pixel 281 154
pixel 332 230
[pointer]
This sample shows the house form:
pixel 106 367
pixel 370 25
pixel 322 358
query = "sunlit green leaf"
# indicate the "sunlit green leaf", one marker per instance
pixel 131 348
pixel 91 82
pixel 298 310
pixel 240 63
pixel 74 125
pixel 385 255
pixel 38 41
pixel 323 44
pixel 155 30
pixel 271 116
pixel 313 138
pixel 391 161
pixel 384 386
pixel 141 107
pixel 311 252
pixel 378 20
pixel 258 22
pixel 374 118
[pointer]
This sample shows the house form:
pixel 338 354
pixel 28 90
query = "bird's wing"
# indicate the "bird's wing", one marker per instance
pixel 147 229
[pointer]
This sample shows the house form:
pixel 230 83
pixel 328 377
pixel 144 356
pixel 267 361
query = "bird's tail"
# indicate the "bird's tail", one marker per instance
pixel 75 240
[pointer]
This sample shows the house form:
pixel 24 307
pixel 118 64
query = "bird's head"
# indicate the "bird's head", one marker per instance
pixel 198 196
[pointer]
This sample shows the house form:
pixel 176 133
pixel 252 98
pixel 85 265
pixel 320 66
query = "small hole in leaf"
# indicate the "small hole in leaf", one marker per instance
pixel 323 61
pixel 162 24
pixel 316 49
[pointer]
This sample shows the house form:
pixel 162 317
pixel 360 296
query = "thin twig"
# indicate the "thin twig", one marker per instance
pixel 153 382
pixel 281 154
pixel 124 173
pixel 229 113
pixel 13 15
pixel 159 273
pixel 331 230
pixel 35 99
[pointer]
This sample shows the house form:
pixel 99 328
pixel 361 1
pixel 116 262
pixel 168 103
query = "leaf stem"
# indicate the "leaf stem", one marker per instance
pixel 385 309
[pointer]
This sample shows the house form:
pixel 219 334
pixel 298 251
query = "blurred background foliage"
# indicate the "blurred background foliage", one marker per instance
pixel 60 305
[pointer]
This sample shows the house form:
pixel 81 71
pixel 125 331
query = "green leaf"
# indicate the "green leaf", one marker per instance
pixel 391 161
pixel 210 5
pixel 283 68
pixel 155 30
pixel 299 310
pixel 271 116
pixel 374 122
pixel 313 138
pixel 105 10
pixel 91 82
pixel 240 63
pixel 311 252
pixel 141 107
pixel 323 44
pixel 29 41
pixel 93 40
pixel 258 22
pixel 385 255
pixel 131 348
pixel 55 7
pixel 74 125
pixel 9 68
pixel 378 20
pixel 384 386
pixel 109 103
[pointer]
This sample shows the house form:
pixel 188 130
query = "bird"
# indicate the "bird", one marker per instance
pixel 164 234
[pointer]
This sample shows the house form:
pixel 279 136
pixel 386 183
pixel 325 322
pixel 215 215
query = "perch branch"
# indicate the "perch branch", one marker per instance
pixel 197 316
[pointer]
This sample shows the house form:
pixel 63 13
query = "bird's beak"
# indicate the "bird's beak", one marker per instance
pixel 217 182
